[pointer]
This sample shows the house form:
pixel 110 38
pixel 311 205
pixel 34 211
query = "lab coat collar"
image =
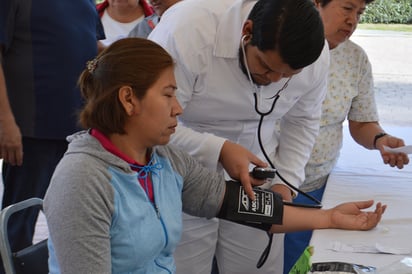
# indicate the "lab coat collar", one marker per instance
pixel 229 30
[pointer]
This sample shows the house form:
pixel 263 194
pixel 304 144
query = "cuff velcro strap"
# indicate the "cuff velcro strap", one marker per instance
pixel 265 210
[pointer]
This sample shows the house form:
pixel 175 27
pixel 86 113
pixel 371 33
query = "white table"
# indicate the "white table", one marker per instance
pixel 361 175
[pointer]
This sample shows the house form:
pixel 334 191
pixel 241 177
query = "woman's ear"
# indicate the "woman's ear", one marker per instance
pixel 127 99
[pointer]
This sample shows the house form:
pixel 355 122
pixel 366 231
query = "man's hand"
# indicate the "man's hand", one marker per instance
pixel 11 147
pixel 236 160
pixel 284 191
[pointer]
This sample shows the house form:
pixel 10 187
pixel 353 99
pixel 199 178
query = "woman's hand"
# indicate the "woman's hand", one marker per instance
pixel 347 216
pixel 393 159
pixel 351 217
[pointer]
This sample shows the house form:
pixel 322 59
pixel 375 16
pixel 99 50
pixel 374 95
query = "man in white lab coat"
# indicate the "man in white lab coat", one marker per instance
pixel 231 55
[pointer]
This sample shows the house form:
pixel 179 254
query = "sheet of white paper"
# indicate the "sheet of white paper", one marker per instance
pixel 392 250
pixel 360 248
pixel 404 149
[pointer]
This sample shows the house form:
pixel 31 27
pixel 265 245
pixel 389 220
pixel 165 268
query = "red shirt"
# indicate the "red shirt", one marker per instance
pixel 147 9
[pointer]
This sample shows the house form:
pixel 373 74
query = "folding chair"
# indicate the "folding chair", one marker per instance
pixel 32 259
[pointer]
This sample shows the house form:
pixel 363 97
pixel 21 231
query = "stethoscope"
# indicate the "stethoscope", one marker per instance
pixel 262 114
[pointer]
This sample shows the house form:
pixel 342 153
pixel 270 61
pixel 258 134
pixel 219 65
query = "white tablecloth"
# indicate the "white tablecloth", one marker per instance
pixel 361 175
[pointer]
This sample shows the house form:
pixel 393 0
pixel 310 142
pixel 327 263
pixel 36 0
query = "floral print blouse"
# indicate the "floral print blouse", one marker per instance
pixel 350 95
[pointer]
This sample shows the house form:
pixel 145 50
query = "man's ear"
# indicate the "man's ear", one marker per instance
pixel 128 99
pixel 247 30
pixel 317 3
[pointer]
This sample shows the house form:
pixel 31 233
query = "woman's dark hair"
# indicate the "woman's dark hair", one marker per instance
pixel 291 27
pixel 133 62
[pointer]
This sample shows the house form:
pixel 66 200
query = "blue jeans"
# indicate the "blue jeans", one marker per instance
pixel 296 242
pixel 29 180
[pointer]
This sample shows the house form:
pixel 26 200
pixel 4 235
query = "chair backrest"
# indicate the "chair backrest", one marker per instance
pixel 32 259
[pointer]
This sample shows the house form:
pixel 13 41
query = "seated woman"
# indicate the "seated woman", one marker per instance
pixel 115 201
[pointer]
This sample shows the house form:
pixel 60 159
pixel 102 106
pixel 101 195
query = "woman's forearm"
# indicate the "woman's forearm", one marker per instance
pixel 299 218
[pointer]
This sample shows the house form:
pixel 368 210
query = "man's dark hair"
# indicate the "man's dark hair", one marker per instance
pixel 291 27
pixel 323 3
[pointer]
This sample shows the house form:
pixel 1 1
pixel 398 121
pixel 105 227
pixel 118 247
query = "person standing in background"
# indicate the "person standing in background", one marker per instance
pixel 119 17
pixel 350 96
pixel 231 54
pixel 42 52
pixel 159 6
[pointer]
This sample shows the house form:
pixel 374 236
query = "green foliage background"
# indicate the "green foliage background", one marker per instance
pixel 388 12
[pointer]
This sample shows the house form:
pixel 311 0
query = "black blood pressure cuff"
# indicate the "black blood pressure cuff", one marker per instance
pixel 265 210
